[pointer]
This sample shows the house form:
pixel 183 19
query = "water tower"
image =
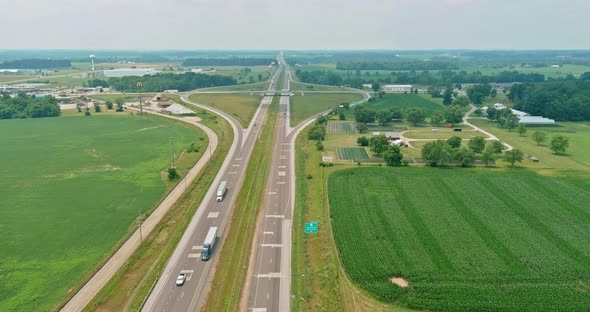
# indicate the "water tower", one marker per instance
pixel 92 57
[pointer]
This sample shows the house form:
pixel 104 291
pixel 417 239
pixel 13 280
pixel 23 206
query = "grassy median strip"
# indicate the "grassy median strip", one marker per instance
pixel 231 272
pixel 131 284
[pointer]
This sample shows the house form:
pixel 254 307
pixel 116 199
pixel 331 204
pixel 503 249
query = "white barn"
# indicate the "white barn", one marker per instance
pixel 398 88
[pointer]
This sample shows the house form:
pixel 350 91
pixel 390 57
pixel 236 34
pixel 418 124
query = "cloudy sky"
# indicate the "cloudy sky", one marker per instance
pixel 295 24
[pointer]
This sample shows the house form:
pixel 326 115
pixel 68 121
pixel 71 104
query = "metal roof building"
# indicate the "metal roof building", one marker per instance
pixel 536 120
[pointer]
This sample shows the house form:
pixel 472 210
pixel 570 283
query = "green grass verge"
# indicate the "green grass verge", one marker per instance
pixel 69 198
pixel 241 106
pixel 466 240
pixel 405 101
pixel 309 104
pixel 230 274
pixel 129 287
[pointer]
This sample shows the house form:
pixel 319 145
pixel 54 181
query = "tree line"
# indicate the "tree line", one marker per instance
pixel 182 82
pixel 24 106
pixel 565 101
pixel 36 64
pixel 397 65
pixel 232 61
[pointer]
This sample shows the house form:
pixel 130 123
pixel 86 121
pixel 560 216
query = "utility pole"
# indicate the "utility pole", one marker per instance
pixel 139 86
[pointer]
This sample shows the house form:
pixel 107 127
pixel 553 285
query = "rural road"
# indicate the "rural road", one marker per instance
pixel 97 282
pixel 166 296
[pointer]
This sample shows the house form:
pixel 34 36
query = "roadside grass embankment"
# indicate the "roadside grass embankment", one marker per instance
pixel 309 104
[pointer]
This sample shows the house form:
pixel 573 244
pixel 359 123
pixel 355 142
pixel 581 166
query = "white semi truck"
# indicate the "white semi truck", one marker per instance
pixel 209 244
pixel 221 190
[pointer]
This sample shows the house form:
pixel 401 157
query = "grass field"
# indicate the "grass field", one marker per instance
pixel 305 106
pixel 298 86
pixel 71 189
pixel 405 101
pixel 576 158
pixel 241 106
pixel 465 240
pixel 341 127
pixel 352 153
pixel 260 86
pixel 441 133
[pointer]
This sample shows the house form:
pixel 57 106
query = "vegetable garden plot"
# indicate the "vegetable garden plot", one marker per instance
pixel 352 153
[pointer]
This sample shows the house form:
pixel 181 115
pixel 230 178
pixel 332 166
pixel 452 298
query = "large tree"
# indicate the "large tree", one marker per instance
pixel 559 144
pixel 479 92
pixel 477 144
pixel 454 141
pixel 383 117
pixel 378 144
pixel 364 115
pixel 539 137
pixel 461 101
pixel 513 156
pixel 448 96
pixel 415 115
pixel 464 156
pixel 393 155
pixel 453 114
pixel 488 156
pixel 436 153
pixel 437 118
pixel 496 146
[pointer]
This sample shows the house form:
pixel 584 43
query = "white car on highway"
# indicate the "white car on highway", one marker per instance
pixel 180 279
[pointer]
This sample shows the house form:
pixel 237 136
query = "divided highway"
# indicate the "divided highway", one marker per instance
pixel 270 285
pixel 166 296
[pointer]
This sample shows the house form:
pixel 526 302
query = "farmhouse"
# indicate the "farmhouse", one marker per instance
pixel 392 135
pixel 397 88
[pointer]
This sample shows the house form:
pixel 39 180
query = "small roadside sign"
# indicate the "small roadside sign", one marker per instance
pixel 311 227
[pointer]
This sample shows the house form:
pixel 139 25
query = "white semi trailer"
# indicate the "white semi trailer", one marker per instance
pixel 221 190
pixel 209 244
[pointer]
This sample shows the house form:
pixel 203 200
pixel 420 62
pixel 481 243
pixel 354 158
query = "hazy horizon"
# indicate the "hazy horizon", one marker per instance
pixel 288 25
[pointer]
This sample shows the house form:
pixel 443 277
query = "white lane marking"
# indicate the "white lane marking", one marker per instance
pixel 281 182
pixel 283 157
pixel 233 172
pixel 270 259
pixel 235 165
pixel 268 233
pixel 282 167
pixel 276 216
pixel 187 271
pixel 272 245
pixel 193 255
pixel 285 151
pixel 269 275
pixel 182 294
pixel 282 173
pixel 258 309
pixel 272 193
pixel 197 248
pixel 212 215
pixel 238 159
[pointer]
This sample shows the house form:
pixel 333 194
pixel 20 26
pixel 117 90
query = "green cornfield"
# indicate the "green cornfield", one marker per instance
pixel 465 240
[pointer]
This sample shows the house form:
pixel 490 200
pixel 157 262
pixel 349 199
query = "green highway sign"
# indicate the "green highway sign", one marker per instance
pixel 311 227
